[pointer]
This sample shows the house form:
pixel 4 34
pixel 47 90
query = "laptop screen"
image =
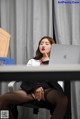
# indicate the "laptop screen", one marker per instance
pixel 64 54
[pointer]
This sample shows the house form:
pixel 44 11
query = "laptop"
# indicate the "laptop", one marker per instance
pixel 64 54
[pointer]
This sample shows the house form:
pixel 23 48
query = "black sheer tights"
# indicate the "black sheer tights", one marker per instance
pixel 52 96
pixel 15 98
pixel 9 101
pixel 59 100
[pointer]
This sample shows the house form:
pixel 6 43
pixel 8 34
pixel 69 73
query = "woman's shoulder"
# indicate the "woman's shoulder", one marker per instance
pixel 33 62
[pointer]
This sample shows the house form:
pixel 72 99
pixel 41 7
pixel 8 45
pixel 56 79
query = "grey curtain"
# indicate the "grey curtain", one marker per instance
pixel 27 21
pixel 67 31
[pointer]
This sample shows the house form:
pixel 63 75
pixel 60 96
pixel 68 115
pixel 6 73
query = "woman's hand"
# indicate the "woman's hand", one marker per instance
pixel 38 94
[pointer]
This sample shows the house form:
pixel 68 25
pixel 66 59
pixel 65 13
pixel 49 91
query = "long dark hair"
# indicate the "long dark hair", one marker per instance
pixel 38 53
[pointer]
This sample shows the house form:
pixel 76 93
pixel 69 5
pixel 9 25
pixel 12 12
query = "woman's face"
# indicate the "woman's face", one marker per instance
pixel 45 46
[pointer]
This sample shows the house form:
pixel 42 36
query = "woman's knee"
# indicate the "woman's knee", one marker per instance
pixel 63 101
pixel 57 98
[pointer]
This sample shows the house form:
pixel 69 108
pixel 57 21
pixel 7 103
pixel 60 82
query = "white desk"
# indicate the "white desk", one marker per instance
pixel 55 72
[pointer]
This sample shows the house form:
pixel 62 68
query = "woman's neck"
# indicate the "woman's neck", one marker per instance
pixel 45 57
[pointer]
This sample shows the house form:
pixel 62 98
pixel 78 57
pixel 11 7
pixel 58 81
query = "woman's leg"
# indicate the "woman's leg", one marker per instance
pixel 9 101
pixel 60 101
pixel 14 98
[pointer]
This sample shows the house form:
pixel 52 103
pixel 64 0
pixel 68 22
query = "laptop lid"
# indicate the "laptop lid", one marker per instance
pixel 64 54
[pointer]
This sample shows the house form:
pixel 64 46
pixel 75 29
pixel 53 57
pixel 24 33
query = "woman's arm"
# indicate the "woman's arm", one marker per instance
pixel 39 91
pixel 38 94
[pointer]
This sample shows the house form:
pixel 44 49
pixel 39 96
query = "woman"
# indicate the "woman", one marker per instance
pixel 49 94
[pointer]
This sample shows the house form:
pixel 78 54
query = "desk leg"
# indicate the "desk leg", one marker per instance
pixel 67 90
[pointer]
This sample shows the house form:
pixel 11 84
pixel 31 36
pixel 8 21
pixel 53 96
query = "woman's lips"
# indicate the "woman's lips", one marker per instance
pixel 43 49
